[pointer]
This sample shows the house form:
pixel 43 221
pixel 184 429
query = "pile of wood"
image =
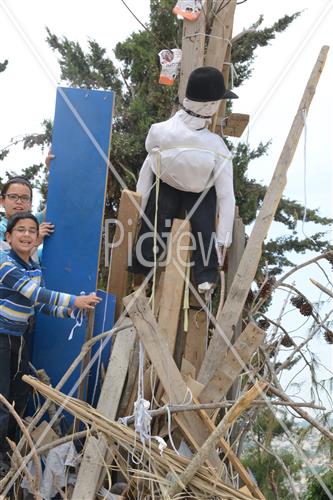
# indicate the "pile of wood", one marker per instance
pixel 181 373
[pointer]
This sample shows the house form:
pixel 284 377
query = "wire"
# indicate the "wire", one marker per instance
pixel 145 27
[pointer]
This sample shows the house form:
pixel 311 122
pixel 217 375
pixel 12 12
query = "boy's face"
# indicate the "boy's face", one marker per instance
pixel 12 204
pixel 23 237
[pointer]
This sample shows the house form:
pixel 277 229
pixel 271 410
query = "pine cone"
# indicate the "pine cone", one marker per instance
pixel 272 348
pixel 267 288
pixel 328 336
pixel 297 301
pixel 306 309
pixel 287 341
pixel 250 297
pixel 264 324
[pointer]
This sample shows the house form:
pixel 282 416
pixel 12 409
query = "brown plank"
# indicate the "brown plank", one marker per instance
pixel 128 217
pixel 232 363
pixel 92 461
pixel 193 44
pixel 174 281
pixel 157 349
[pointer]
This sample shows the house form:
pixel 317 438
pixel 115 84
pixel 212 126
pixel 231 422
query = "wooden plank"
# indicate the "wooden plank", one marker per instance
pixel 235 124
pixel 221 35
pixel 232 363
pixel 156 347
pixel 193 44
pixel 248 266
pixel 92 461
pixel 128 217
pixel 218 118
pixel 174 281
pixel 195 341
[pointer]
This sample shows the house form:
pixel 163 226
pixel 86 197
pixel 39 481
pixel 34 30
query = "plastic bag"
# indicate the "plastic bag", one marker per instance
pixel 188 9
pixel 170 61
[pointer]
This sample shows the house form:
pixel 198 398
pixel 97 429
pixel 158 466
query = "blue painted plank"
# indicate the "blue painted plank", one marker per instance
pixel 75 204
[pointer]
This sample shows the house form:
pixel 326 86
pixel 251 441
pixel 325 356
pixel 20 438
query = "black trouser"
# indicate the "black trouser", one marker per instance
pixel 173 203
pixel 14 362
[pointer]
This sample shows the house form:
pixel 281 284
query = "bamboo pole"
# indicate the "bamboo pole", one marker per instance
pixel 250 260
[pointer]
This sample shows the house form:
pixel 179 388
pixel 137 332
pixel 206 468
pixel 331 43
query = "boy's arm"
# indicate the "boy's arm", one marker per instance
pixel 13 277
pixel 56 311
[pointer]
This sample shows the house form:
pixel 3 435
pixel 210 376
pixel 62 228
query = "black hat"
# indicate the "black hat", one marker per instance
pixel 206 84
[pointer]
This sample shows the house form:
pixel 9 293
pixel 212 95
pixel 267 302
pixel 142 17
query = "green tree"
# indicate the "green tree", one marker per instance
pixel 314 489
pixel 261 457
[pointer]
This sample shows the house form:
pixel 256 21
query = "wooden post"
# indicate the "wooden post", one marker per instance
pixel 248 266
pixel 193 45
pixel 232 363
pixel 220 37
pixel 174 281
pixel 157 349
pixel 92 461
pixel 128 217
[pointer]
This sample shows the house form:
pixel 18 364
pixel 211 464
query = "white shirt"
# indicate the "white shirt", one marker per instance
pixel 191 160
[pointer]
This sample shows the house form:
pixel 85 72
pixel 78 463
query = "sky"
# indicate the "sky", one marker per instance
pixel 270 97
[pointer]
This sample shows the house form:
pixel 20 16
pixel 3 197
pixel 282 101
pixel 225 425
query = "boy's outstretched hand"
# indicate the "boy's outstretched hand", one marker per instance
pixel 87 301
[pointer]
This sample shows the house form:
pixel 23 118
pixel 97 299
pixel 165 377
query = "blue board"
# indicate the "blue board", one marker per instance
pixel 75 204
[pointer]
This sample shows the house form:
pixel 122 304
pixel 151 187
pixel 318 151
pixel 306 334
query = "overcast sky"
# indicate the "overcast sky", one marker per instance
pixel 271 97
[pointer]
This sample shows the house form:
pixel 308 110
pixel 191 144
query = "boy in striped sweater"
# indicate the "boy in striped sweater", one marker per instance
pixel 22 294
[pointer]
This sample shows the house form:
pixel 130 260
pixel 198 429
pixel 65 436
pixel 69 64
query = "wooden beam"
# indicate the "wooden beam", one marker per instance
pixel 128 217
pixel 232 363
pixel 235 124
pixel 193 45
pixel 96 448
pixel 248 266
pixel 176 389
pixel 174 281
pixel 220 36
pixel 195 341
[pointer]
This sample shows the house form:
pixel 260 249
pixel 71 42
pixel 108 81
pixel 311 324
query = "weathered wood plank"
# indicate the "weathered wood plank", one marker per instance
pixel 232 363
pixel 92 461
pixel 156 347
pixel 221 35
pixel 128 217
pixel 174 281
pixel 193 44
pixel 248 266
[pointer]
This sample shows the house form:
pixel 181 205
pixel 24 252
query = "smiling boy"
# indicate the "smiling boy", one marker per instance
pixel 21 295
pixel 16 197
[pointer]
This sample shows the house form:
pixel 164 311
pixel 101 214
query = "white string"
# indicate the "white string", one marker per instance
pixel 169 430
pixel 233 72
pixel 100 350
pixel 210 36
pixel 78 320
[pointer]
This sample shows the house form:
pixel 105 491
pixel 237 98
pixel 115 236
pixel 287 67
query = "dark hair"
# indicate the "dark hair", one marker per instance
pixel 16 180
pixel 14 219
